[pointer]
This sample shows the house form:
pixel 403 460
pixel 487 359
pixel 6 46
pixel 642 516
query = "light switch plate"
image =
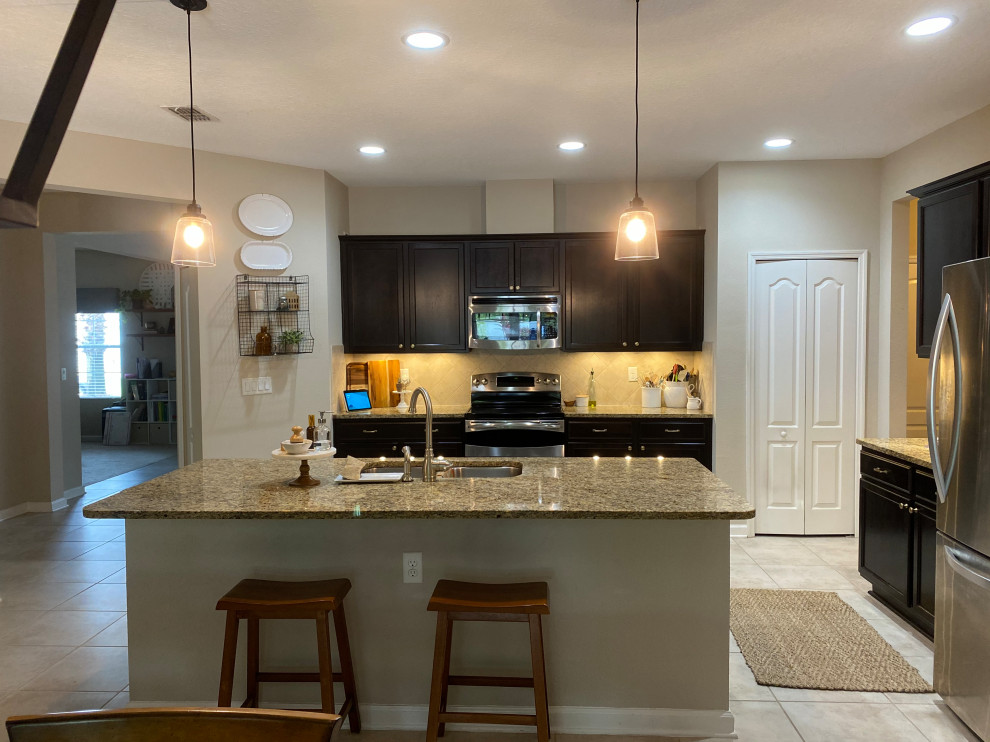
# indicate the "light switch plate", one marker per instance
pixel 633 373
pixel 249 386
pixel 264 385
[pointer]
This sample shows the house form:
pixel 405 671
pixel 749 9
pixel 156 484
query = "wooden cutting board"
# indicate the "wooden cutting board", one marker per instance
pixel 382 376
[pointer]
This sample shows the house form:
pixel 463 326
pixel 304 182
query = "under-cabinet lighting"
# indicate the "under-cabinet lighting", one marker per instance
pixel 595 458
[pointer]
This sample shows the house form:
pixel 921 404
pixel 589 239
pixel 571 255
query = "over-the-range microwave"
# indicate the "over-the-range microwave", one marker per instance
pixel 515 322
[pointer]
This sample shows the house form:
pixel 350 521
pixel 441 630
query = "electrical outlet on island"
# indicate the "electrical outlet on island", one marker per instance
pixel 412 567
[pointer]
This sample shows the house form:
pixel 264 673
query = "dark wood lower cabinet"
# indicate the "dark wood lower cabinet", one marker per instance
pixel 897 537
pixel 602 436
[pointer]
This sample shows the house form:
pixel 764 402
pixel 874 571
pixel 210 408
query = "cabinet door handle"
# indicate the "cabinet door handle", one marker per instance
pixel 369 432
pixel 629 448
pixel 436 430
pixel 912 510
pixel 642 448
pixel 412 345
pixel 902 506
pixel 625 345
pixel 671 430
pixel 599 430
pixel 394 448
pixel 400 345
pixel 636 343
pixel 878 470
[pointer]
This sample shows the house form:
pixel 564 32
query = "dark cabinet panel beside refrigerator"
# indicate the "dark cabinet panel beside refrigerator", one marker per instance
pixel 953 226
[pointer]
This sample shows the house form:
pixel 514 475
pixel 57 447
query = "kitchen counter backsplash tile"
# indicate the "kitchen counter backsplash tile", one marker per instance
pixel 447 376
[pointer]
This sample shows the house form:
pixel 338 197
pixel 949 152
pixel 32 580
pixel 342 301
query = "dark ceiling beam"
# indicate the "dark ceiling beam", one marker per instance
pixel 43 138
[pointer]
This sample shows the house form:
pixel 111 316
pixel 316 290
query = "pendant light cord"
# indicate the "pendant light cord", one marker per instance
pixel 192 121
pixel 637 99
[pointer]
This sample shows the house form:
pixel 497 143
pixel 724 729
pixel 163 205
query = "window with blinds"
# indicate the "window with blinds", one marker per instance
pixel 98 355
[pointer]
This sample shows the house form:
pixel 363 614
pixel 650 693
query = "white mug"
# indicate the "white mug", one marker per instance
pixel 694 403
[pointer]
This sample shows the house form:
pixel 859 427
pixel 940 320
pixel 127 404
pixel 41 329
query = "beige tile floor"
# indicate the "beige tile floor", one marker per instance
pixel 63 634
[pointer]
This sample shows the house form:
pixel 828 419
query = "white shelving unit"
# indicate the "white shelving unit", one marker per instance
pixel 152 408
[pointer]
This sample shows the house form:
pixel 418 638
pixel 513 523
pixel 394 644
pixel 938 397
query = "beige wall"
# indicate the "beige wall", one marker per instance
pixel 595 207
pixel 518 206
pixel 417 210
pixel 232 425
pixel 577 207
pixel 960 145
pixel 707 219
pixel 782 207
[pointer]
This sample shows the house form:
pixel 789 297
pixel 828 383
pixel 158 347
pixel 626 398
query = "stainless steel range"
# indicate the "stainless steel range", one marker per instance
pixel 514 414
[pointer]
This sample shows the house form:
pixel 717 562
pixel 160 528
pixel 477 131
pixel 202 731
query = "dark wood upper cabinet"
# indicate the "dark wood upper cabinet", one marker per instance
pixel 403 297
pixel 953 226
pixel 538 267
pixel 509 267
pixel 492 267
pixel 410 294
pixel 594 296
pixel 373 297
pixel 640 305
pixel 666 296
pixel 437 307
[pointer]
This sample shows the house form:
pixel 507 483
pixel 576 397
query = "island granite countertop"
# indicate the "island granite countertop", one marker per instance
pixel 641 488
pixel 912 450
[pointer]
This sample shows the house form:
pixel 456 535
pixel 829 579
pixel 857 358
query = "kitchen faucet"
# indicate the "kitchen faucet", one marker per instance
pixel 430 465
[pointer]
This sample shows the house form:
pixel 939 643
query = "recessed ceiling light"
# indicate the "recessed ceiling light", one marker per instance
pixel 930 26
pixel 778 143
pixel 371 149
pixel 570 146
pixel 425 40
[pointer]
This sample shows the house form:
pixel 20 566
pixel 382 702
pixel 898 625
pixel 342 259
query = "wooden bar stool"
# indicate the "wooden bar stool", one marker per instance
pixel 258 599
pixel 473 601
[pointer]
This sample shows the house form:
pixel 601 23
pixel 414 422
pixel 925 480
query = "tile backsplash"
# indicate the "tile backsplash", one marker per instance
pixel 447 376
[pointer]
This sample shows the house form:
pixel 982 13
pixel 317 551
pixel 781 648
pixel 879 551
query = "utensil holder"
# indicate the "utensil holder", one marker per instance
pixel 651 396
pixel 675 393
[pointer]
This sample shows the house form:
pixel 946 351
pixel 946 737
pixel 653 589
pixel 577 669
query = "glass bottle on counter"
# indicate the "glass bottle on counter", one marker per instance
pixel 311 431
pixel 324 433
pixel 592 391
pixel 263 342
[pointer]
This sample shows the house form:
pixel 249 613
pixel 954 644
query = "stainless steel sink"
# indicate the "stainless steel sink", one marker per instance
pixel 456 472
pixel 481 472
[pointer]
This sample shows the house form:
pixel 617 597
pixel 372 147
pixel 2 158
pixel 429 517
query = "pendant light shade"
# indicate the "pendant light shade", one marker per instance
pixel 193 243
pixel 637 235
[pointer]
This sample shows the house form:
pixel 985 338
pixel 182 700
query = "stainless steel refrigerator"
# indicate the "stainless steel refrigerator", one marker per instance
pixel 959 441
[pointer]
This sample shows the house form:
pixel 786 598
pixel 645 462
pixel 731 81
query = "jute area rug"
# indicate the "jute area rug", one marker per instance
pixel 810 639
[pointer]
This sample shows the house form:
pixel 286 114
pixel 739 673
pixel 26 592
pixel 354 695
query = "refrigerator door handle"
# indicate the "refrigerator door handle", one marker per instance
pixel 960 566
pixel 946 318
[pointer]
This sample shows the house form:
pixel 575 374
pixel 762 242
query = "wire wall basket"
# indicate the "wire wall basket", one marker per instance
pixel 280 304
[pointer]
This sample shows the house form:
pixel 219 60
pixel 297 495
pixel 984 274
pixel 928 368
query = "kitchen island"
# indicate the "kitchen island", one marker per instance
pixel 636 554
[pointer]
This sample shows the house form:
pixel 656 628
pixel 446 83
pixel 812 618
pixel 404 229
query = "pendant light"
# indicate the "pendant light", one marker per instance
pixel 193 243
pixel 637 236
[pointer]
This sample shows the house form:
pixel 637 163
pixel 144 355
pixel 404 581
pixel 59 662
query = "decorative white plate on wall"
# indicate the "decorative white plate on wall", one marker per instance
pixel 265 214
pixel 266 256
pixel 159 278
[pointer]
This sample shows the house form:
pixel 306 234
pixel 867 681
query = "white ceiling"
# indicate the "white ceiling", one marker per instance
pixel 307 81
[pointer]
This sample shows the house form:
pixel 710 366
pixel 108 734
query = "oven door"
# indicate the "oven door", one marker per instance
pixel 514 437
pixel 514 323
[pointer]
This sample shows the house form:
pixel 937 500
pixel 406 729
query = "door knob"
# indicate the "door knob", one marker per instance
pixel 783 433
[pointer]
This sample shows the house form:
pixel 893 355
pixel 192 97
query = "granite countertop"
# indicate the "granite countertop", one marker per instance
pixel 641 488
pixel 441 412
pixel 912 450
pixel 633 411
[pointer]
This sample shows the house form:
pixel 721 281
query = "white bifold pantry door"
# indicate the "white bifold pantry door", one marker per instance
pixel 804 389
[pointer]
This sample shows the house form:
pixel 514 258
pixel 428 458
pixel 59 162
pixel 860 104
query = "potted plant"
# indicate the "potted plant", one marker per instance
pixel 135 300
pixel 289 340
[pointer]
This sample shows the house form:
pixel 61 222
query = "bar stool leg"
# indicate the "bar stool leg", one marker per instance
pixel 446 676
pixel 347 668
pixel 439 678
pixel 227 663
pixel 539 678
pixel 326 668
pixel 253 661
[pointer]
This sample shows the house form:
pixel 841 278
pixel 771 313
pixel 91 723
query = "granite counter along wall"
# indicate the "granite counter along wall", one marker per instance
pixel 447 375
